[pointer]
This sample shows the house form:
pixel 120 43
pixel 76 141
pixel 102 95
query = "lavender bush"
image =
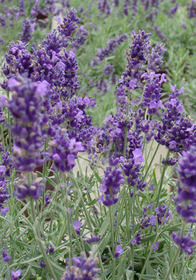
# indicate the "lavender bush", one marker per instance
pixel 83 197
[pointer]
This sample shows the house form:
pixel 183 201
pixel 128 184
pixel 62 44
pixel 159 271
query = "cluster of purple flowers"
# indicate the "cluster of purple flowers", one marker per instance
pixel 184 242
pixel 47 62
pixel 69 24
pixel 111 185
pixel 121 136
pixel 78 124
pixel 176 130
pixel 12 13
pixel 186 199
pixel 27 30
pixel 30 119
pixel 64 150
pixel 83 269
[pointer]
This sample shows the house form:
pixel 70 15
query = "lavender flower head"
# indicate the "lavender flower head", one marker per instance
pixel 186 198
pixel 119 251
pixel 111 185
pixel 16 274
pixel 27 30
pixel 68 26
pixel 185 242
pixel 77 226
pixel 27 108
pixel 64 150
pixel 83 269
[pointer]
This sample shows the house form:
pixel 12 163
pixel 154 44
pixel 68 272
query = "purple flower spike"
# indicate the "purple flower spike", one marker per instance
pixel 111 185
pixel 186 198
pixel 119 251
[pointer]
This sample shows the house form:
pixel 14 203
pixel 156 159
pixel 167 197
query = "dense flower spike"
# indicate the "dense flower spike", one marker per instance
pixel 69 24
pixel 27 30
pixel 111 185
pixel 176 131
pixel 27 108
pixel 83 269
pixel 186 198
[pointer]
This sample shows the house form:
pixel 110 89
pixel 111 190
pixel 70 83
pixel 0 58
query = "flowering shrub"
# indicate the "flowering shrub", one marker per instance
pixel 81 201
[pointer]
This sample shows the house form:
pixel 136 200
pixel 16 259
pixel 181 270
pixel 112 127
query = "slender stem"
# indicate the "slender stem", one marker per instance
pixel 172 264
pixel 37 237
pixel 83 204
pixel 112 230
pixel 127 216
pixel 155 152
pixel 147 259
pixel 101 265
pixel 162 177
pixel 112 239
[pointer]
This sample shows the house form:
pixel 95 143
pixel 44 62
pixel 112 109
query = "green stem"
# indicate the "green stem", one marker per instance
pixel 83 204
pixel 101 265
pixel 155 152
pixel 147 259
pixel 37 237
pixel 112 240
pixel 172 264
pixel 162 177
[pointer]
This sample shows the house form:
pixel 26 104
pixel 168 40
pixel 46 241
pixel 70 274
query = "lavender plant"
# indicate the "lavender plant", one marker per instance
pixel 81 201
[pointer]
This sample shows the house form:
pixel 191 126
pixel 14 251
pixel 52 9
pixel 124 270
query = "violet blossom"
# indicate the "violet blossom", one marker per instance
pixel 119 251
pixel 186 198
pixel 185 242
pixel 83 269
pixel 6 257
pixel 111 185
